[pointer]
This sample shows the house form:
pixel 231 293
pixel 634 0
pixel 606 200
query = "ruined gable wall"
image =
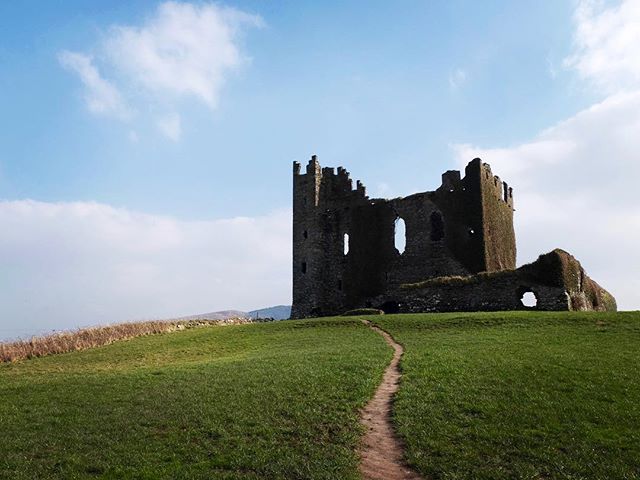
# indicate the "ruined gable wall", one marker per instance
pixel 426 253
pixel 497 219
pixel 461 204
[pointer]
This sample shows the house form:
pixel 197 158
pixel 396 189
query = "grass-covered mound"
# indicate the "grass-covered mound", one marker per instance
pixel 276 400
pixel 520 395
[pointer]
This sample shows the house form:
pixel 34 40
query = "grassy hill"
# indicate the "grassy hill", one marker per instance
pixel 498 395
pixel 250 401
pixel 520 395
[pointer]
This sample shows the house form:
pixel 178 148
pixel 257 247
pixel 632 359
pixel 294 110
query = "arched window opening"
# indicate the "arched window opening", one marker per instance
pixel 437 227
pixel 529 299
pixel 346 243
pixel 400 238
pixel 304 267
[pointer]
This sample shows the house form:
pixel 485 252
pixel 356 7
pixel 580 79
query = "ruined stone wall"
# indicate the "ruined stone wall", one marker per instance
pixel 502 292
pixel 446 234
pixel 557 281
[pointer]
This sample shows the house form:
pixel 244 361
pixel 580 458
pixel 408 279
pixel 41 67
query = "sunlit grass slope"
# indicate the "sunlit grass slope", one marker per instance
pixel 520 395
pixel 259 401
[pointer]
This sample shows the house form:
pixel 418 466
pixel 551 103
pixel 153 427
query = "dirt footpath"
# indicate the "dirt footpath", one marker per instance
pixel 382 452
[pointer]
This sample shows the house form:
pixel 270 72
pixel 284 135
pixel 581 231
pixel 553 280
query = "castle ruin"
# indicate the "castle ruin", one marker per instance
pixel 459 255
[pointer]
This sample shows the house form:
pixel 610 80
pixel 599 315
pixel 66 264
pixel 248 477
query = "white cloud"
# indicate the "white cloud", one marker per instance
pixel 73 264
pixel 102 96
pixel 575 183
pixel 575 188
pixel 181 50
pixel 170 126
pixel 607 44
pixel 457 78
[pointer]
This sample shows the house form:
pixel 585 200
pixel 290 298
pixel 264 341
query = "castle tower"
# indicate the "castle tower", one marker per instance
pixel 322 207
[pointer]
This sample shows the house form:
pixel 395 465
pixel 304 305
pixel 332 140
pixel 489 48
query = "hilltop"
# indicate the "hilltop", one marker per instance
pixel 495 395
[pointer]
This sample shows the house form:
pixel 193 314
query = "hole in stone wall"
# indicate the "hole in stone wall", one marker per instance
pixel 304 267
pixel 346 243
pixel 400 239
pixel 305 234
pixel 339 284
pixel 437 227
pixel 390 306
pixel 529 299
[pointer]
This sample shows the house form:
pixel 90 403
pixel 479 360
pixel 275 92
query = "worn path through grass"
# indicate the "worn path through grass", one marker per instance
pixel 382 451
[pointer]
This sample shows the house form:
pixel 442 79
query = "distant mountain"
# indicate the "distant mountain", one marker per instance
pixel 221 315
pixel 279 312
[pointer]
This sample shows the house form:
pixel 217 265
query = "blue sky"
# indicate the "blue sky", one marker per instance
pixel 367 85
pixel 103 135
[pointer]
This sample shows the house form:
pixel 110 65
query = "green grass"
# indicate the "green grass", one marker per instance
pixel 520 395
pixel 277 400
pixel 524 395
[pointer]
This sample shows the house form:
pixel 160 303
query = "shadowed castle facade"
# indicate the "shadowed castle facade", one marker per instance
pixel 459 249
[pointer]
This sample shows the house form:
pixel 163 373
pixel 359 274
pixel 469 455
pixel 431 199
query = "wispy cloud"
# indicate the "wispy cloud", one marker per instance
pixel 184 49
pixel 170 126
pixel 457 78
pixel 607 44
pixel 181 50
pixel 102 97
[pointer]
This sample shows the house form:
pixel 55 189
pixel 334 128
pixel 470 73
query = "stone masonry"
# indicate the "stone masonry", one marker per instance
pixel 460 252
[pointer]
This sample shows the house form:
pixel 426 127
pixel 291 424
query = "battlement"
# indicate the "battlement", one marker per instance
pixel 330 184
pixel 499 189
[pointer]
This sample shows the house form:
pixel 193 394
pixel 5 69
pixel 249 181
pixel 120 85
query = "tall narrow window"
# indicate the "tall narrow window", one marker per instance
pixel 400 239
pixel 304 267
pixel 437 227
pixel 346 243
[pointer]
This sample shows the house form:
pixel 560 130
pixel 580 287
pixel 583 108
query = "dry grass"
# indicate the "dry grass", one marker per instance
pixel 456 280
pixel 84 338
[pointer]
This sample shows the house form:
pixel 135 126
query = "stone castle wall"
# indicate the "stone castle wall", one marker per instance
pixel 463 227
